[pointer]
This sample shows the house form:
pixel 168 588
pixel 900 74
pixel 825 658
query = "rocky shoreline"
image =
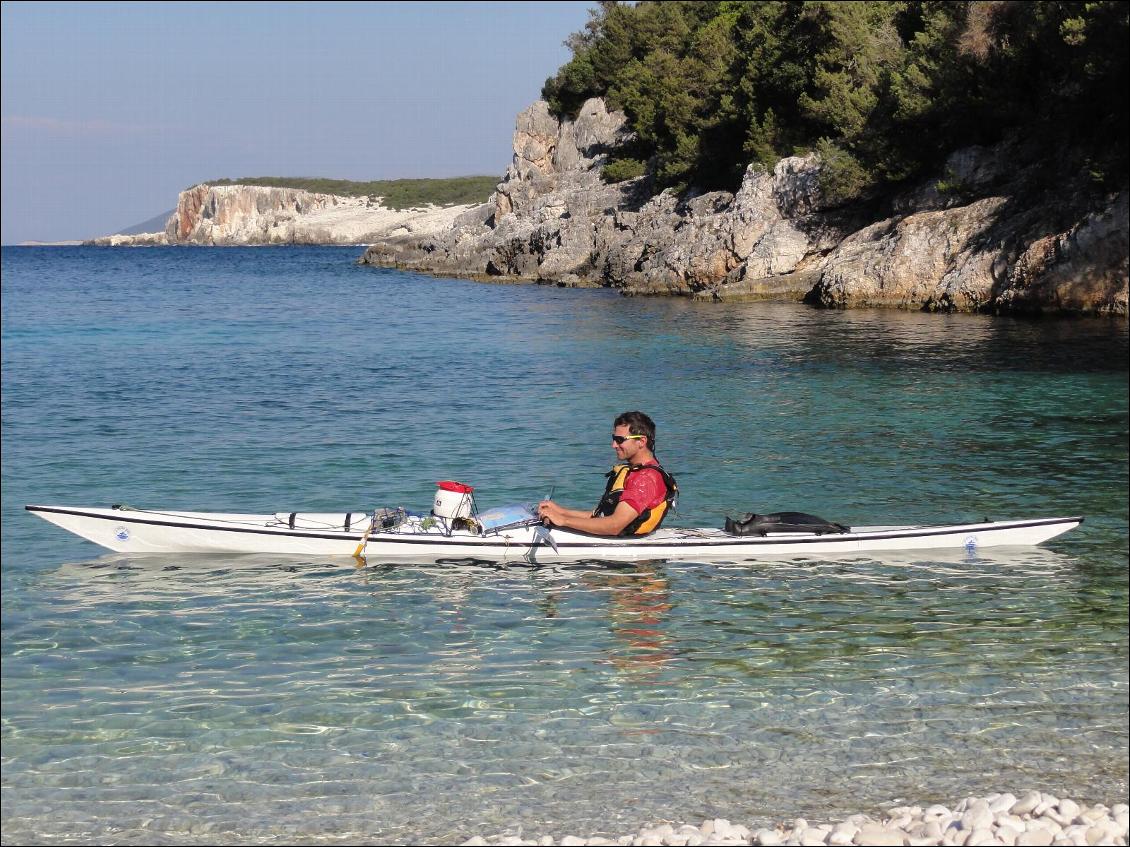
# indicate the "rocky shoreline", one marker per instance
pixel 986 235
pixel 1032 818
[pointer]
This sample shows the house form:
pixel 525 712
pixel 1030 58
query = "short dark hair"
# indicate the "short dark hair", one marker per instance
pixel 638 424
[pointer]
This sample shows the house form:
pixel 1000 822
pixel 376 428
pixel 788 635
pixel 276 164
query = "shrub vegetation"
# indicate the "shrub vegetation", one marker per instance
pixel 883 90
pixel 396 193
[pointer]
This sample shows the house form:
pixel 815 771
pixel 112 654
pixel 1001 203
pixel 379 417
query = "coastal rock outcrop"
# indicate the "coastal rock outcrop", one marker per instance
pixel 983 241
pixel 214 215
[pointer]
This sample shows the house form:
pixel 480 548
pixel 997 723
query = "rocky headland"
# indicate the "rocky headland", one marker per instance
pixel 984 235
pixel 228 215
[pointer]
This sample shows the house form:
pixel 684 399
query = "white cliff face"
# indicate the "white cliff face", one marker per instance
pixel 228 215
pixel 242 214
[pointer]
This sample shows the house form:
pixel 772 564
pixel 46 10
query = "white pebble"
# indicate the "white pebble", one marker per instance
pixel 1039 837
pixel 721 825
pixel 1068 809
pixel 1047 801
pixel 813 837
pixel 878 835
pixel 1002 803
pixel 981 835
pixel 977 816
pixel 1121 818
pixel 1011 822
pixel 932 830
pixel 1093 814
pixel 1076 832
pixel 768 837
pixel 1027 803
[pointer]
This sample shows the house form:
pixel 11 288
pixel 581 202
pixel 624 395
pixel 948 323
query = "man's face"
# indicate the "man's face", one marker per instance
pixel 629 445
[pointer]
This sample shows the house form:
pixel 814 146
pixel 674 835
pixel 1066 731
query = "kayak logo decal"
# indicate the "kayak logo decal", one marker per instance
pixel 971 544
pixel 121 533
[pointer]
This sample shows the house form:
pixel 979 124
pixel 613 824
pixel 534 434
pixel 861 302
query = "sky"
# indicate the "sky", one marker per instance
pixel 111 109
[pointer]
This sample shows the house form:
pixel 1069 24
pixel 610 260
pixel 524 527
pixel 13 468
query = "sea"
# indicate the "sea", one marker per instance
pixel 181 699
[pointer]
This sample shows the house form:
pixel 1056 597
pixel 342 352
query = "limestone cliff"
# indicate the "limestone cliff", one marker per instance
pixel 991 243
pixel 254 215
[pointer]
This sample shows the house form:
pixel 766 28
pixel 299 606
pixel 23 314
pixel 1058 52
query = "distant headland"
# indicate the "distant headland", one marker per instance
pixel 287 210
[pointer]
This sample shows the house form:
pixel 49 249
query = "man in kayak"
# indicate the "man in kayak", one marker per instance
pixel 639 493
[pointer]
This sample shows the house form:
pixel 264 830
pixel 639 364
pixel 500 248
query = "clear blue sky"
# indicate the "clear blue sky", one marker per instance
pixel 111 109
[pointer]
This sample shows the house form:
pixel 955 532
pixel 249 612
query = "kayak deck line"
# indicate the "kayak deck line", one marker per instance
pixel 149 531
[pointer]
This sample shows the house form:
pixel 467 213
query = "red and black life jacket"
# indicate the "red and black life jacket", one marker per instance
pixel 646 521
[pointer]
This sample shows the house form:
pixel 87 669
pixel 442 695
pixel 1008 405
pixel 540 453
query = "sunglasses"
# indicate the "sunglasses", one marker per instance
pixel 620 439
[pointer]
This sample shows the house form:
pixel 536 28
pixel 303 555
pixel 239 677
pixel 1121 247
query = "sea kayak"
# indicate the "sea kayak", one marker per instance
pixel 398 535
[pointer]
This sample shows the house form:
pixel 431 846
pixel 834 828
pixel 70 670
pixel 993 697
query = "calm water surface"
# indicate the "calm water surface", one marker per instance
pixel 203 700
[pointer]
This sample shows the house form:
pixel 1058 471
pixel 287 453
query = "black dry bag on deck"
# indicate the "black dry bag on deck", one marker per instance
pixel 753 524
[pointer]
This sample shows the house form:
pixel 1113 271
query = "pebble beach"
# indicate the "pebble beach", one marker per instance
pixel 1030 818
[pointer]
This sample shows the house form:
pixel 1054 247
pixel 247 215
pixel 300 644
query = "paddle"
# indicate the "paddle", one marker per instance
pixel 542 531
pixel 360 551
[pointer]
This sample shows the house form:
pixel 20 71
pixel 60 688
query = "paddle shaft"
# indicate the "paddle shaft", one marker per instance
pixel 365 538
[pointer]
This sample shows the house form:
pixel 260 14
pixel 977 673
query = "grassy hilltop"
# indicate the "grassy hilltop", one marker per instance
pixel 395 193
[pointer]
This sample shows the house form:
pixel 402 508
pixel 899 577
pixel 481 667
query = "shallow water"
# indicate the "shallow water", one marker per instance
pixel 199 700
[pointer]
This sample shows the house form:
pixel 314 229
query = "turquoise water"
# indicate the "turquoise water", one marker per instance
pixel 199 700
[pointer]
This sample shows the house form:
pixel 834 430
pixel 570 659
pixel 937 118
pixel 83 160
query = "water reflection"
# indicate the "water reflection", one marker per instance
pixel 639 590
pixel 639 600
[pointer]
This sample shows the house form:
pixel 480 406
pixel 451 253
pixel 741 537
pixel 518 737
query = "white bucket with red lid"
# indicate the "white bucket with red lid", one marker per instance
pixel 453 500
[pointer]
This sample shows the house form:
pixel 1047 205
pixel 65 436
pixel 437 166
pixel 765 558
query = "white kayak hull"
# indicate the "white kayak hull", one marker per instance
pixel 140 531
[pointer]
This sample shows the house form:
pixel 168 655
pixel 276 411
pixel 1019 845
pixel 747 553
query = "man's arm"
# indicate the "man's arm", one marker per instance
pixel 584 521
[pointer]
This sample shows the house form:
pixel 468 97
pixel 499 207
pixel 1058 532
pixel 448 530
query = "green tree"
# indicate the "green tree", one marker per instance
pixel 883 90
